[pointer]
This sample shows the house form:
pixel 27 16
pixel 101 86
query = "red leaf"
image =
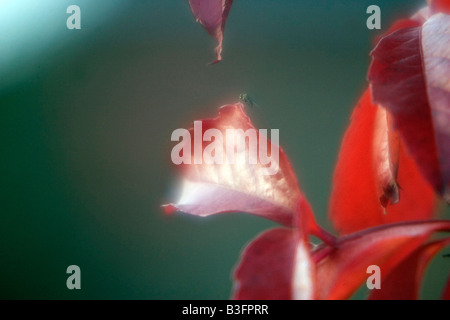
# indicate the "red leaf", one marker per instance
pixel 343 269
pixel 399 83
pixel 212 14
pixel 375 182
pixel 403 282
pixel 275 266
pixel 231 187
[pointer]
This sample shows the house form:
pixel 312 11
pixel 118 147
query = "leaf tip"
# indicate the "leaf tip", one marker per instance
pixel 169 208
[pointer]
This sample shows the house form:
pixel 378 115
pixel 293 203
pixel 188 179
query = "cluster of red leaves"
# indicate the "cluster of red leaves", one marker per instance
pixel 393 164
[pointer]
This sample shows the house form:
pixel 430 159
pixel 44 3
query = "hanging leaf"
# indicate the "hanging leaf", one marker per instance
pixel 212 15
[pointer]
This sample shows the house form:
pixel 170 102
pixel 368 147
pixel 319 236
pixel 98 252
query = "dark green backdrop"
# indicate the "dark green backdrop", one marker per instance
pixel 86 118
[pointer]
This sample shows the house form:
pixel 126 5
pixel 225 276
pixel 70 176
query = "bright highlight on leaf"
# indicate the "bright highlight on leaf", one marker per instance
pixel 216 188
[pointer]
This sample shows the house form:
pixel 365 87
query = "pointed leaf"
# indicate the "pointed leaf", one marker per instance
pixel 343 269
pixel 403 282
pixel 275 266
pixel 240 186
pixel 375 182
pixel 212 15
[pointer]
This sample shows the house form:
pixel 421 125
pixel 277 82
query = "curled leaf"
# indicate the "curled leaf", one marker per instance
pixel 386 148
pixel 375 181
pixel 212 14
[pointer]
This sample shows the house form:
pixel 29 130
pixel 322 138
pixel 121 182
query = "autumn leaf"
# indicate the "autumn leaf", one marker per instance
pixel 212 15
pixel 213 188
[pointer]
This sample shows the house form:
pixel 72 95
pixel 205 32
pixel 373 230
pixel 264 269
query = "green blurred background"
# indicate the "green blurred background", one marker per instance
pixel 86 118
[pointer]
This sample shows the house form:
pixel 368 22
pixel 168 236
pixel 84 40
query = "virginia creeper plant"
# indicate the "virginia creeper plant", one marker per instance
pixel 393 167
